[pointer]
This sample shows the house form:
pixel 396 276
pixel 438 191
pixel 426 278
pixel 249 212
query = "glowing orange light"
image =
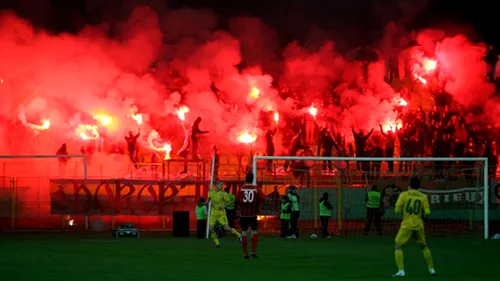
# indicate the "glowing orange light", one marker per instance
pixel 246 137
pixel 254 92
pixel 181 112
pixel 420 78
pixel 136 116
pixel 260 218
pixel 103 119
pixel 430 65
pixel 399 101
pixel 313 110
pixel 166 148
pixel 276 117
pixel 392 126
pixel 1 81
pixel 44 126
pixel 87 132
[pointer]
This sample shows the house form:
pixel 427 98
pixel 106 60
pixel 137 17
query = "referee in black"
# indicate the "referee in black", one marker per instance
pixel 374 210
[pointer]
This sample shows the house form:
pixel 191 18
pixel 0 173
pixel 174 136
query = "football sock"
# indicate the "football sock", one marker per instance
pixel 255 239
pixel 214 238
pixel 398 255
pixel 428 257
pixel 235 232
pixel 244 244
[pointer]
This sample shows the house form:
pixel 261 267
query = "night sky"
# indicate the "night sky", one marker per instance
pixel 348 23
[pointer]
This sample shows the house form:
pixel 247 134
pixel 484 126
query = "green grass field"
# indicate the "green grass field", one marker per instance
pixel 75 257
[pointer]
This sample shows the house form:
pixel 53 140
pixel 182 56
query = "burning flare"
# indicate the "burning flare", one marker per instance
pixel 420 78
pixel 313 110
pixel 103 119
pixel 397 101
pixel 45 125
pixel 254 92
pixel 246 137
pixel 430 65
pixel 392 126
pixel 181 112
pixel 276 117
pixel 154 137
pixel 87 132
pixel 136 116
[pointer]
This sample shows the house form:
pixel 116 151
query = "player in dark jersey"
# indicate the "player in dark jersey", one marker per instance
pixel 248 201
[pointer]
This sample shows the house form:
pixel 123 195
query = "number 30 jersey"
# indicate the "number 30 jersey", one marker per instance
pixel 249 199
pixel 414 205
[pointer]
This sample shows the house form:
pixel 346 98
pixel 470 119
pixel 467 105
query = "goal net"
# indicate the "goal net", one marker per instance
pixel 28 184
pixel 457 189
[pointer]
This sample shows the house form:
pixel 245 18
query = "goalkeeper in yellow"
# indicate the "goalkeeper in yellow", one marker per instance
pixel 414 205
pixel 219 200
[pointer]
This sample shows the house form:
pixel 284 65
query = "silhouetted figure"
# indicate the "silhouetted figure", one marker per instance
pixel 274 199
pixel 132 146
pixel 390 138
pixel 325 147
pixel 184 151
pixel 195 131
pixel 360 144
pixel 63 161
pixel 376 152
pixel 216 156
pixel 88 150
pixel 155 163
pixel 270 146
pixel 492 158
pixel 295 146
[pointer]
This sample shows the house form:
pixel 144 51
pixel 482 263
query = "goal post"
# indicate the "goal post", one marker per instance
pixel 27 186
pixel 82 156
pixel 482 174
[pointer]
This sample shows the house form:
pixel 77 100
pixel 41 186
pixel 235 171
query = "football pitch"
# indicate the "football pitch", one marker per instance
pixel 82 257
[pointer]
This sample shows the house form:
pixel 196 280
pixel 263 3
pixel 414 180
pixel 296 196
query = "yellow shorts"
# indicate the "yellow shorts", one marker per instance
pixel 221 219
pixel 404 235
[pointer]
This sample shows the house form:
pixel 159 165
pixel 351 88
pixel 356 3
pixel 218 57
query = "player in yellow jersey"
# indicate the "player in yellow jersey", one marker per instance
pixel 219 200
pixel 414 205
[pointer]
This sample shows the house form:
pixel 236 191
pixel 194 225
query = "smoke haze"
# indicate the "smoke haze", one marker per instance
pixel 69 78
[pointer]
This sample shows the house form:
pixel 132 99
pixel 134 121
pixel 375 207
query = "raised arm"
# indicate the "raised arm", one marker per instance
pixel 354 133
pixel 382 130
pixel 369 134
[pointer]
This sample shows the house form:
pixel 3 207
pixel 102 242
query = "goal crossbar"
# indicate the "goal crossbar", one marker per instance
pixel 85 171
pixel 381 159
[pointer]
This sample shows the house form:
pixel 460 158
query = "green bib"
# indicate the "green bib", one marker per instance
pixel 373 200
pixel 283 215
pixel 295 202
pixel 200 213
pixel 323 210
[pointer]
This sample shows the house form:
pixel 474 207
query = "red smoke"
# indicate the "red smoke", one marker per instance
pixel 70 78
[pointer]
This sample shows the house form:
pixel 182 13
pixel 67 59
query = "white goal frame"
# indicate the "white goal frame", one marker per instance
pixel 85 166
pixel 387 159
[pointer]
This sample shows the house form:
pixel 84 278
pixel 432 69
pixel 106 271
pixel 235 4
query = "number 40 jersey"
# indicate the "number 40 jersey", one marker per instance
pixel 414 205
pixel 249 199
